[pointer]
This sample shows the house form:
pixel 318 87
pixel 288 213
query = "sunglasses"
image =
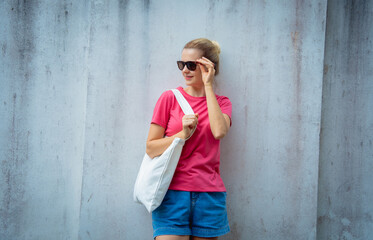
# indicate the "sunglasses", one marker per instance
pixel 190 65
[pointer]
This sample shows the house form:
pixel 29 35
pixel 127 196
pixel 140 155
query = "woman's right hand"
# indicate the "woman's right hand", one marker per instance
pixel 189 122
pixel 157 143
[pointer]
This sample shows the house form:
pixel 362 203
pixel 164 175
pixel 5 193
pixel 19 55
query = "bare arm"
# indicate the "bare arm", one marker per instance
pixel 219 122
pixel 156 143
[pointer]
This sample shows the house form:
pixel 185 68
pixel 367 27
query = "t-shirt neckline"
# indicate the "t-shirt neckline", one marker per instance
pixel 187 95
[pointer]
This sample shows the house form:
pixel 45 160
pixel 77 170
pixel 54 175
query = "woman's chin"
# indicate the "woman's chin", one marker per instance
pixel 188 82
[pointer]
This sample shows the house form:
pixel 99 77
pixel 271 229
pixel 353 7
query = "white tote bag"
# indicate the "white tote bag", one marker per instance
pixel 155 174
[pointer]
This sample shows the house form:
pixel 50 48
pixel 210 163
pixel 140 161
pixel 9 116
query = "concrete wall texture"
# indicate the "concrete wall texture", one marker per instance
pixel 79 80
pixel 345 209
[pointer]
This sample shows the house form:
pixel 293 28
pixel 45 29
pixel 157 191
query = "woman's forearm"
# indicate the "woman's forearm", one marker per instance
pixel 218 123
pixel 156 147
pixel 157 143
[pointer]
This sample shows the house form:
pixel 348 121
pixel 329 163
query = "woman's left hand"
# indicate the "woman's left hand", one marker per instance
pixel 207 70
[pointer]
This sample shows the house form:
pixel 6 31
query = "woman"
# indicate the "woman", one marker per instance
pixel 194 206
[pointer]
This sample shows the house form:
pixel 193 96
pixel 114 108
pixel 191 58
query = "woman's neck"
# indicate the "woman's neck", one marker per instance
pixel 195 92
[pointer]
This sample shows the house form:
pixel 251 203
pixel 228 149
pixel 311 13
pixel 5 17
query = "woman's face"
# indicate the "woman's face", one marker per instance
pixel 192 78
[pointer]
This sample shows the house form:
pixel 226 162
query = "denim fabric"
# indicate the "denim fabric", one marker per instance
pixel 201 214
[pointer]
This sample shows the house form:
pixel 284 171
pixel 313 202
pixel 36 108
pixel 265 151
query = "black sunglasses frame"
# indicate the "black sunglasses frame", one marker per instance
pixel 191 65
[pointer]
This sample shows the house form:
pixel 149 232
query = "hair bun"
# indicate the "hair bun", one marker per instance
pixel 217 46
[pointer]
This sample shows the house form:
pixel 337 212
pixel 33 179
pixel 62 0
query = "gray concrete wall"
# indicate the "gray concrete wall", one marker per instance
pixel 43 101
pixel 79 80
pixel 345 208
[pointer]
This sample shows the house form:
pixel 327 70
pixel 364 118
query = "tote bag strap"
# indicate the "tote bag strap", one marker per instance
pixel 187 109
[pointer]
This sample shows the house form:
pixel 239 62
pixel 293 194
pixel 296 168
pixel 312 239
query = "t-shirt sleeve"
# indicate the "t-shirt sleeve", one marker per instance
pixel 161 113
pixel 226 106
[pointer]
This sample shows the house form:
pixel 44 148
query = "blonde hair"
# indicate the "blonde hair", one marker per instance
pixel 210 49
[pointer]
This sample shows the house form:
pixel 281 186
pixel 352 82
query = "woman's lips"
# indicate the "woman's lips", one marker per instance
pixel 188 77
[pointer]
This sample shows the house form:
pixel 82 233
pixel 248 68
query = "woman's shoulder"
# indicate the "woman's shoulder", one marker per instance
pixel 167 93
pixel 167 96
pixel 223 99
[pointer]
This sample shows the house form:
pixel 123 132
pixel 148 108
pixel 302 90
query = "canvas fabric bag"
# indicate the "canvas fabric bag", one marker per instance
pixel 155 174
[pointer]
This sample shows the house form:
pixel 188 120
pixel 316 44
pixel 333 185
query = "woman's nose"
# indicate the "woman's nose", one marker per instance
pixel 185 69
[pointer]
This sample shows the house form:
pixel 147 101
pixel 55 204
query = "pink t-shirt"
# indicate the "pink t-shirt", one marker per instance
pixel 198 167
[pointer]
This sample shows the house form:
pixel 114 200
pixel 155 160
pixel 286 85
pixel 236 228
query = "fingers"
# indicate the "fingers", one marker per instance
pixel 191 116
pixel 206 63
pixel 190 120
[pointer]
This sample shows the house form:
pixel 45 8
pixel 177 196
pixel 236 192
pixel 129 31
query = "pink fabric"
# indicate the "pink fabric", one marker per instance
pixel 198 168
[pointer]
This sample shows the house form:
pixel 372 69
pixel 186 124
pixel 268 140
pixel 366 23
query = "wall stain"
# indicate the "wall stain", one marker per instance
pixel 296 142
pixel 235 233
pixel 13 200
pixel 146 5
pixel 263 226
pixel 232 9
pixel 326 69
pixel 89 199
pixel 3 49
pixel 210 19
pixel 22 25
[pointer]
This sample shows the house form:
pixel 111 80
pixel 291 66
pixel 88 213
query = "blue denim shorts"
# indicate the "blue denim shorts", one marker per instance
pixel 200 214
